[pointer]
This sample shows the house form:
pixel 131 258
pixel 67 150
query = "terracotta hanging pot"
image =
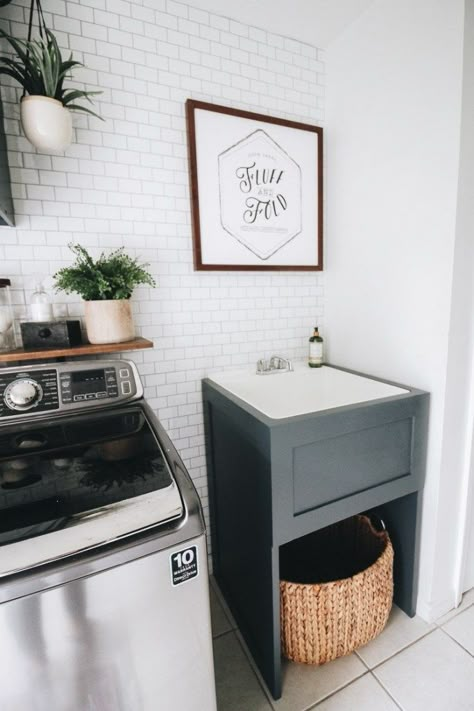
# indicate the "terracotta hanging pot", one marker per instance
pixel 109 321
pixel 46 122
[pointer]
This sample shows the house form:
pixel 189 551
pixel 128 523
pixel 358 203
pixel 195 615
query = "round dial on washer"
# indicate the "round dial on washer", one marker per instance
pixel 23 394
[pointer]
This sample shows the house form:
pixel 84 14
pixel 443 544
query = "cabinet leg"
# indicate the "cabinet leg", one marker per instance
pixel 401 517
pixel 254 600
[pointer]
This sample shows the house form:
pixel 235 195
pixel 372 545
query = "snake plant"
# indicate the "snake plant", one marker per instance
pixel 40 69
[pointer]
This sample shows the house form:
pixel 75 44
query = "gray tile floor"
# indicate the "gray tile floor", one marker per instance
pixel 411 666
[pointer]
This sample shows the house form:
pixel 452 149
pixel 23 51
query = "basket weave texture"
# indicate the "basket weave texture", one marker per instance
pixel 328 619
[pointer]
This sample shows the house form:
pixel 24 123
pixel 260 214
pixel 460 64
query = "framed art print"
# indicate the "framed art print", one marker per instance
pixel 256 189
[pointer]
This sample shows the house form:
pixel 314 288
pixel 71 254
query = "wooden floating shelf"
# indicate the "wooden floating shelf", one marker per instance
pixel 22 354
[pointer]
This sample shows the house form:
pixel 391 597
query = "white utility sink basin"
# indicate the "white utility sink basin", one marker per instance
pixel 302 391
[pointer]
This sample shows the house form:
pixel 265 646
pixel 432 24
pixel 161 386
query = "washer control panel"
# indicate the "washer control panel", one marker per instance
pixel 22 391
pixel 68 386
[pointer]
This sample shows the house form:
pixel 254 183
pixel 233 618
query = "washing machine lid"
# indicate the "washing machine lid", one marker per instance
pixel 76 483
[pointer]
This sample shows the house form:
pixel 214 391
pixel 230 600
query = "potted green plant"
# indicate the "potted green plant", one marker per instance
pixel 38 66
pixel 106 284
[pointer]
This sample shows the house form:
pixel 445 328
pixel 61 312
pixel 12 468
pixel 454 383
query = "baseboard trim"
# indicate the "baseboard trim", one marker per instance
pixel 432 611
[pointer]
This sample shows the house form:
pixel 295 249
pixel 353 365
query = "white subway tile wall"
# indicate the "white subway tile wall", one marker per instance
pixel 125 182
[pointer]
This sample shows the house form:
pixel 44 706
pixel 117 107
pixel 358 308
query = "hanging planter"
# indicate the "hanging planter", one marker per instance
pixel 47 124
pixel 40 69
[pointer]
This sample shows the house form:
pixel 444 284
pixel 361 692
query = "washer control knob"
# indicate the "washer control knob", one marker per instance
pixel 23 394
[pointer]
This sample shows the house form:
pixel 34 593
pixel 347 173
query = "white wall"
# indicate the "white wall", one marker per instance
pixel 125 182
pixel 460 402
pixel 393 125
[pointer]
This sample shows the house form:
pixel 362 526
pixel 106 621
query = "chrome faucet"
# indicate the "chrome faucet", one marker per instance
pixel 276 364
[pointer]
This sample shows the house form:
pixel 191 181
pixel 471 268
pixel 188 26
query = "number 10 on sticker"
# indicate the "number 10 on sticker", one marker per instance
pixel 184 558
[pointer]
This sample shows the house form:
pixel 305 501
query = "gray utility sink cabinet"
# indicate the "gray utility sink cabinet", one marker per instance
pixel 273 480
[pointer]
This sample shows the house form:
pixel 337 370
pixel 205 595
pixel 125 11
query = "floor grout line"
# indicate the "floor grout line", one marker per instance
pixel 236 636
pixel 402 649
pixel 457 642
pixel 253 667
pixel 362 660
pixel 387 691
pixel 336 691
pixel 224 634
pixel 217 635
pixel 222 602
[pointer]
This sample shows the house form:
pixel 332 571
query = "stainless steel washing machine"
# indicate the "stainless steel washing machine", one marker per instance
pixel 104 599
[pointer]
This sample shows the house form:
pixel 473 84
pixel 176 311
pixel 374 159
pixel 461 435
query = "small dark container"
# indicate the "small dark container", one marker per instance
pixel 51 334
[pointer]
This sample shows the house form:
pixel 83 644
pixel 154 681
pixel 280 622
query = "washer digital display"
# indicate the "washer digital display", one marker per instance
pixel 88 381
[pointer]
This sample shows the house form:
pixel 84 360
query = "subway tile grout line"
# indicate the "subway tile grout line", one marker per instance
pixel 257 27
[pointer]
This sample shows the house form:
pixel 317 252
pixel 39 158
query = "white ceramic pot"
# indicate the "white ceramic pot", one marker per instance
pixel 109 321
pixel 46 122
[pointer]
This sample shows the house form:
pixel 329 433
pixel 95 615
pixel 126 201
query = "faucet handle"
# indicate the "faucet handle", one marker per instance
pixel 279 363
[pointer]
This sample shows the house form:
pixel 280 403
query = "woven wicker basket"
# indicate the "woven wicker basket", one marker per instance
pixel 349 604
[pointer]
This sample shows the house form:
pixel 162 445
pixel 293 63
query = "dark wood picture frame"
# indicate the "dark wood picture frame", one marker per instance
pixel 196 189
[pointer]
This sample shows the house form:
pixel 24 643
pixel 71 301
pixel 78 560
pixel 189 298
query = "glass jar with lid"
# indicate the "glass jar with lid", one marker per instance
pixel 7 322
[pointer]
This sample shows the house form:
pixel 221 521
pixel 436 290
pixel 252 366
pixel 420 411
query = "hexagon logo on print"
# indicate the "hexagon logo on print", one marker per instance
pixel 260 194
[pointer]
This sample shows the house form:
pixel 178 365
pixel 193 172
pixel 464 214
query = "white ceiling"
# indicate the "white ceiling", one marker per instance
pixel 316 22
